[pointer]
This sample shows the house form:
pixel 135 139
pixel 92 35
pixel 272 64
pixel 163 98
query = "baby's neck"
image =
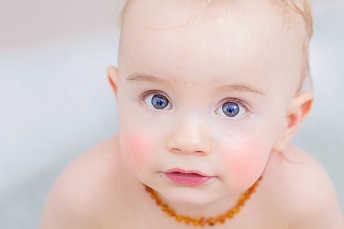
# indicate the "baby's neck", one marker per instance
pixel 211 213
pixel 213 209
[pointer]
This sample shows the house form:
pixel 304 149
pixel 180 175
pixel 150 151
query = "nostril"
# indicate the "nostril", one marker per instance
pixel 175 150
pixel 199 152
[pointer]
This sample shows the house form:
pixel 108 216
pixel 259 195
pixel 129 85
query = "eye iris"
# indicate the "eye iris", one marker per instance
pixel 159 101
pixel 230 109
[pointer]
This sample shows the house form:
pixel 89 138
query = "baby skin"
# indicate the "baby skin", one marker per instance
pixel 208 98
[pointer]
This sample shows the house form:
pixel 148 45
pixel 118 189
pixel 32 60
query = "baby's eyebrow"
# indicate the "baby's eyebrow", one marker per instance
pixel 241 87
pixel 148 78
pixel 231 87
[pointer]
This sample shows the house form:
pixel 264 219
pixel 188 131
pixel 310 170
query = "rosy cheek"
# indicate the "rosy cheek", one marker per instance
pixel 136 148
pixel 247 162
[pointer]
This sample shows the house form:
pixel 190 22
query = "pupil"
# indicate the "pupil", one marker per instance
pixel 159 101
pixel 230 109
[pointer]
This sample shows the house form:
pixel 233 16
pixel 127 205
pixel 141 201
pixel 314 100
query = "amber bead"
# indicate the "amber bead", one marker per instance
pixel 195 221
pixel 229 214
pixel 221 219
pixel 179 218
pixel 171 212
pixel 211 221
pixel 187 219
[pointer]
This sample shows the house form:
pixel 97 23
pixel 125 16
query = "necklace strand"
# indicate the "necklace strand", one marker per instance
pixel 203 221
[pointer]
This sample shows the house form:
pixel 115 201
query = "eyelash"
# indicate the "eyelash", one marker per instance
pixel 144 95
pixel 147 93
pixel 247 109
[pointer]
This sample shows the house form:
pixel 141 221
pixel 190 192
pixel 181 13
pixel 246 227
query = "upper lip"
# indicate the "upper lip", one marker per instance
pixel 179 170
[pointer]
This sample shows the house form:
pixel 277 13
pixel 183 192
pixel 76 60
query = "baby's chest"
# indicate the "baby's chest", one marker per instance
pixel 251 224
pixel 246 220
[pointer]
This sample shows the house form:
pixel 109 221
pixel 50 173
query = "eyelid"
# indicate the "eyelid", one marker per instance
pixel 148 93
pixel 235 100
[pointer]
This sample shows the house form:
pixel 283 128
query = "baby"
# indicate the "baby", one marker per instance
pixel 209 95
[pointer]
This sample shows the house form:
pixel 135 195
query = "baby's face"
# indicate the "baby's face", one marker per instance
pixel 203 88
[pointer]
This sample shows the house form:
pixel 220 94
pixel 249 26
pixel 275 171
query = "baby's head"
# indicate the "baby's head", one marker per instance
pixel 210 85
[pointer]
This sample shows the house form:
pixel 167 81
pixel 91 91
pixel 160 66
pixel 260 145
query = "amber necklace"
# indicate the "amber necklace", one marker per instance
pixel 202 221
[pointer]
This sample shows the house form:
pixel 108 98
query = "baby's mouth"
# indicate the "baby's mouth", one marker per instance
pixel 187 177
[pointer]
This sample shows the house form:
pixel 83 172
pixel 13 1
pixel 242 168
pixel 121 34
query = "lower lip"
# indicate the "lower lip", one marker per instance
pixel 190 179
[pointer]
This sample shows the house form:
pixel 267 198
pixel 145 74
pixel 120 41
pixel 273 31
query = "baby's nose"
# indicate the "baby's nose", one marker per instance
pixel 190 136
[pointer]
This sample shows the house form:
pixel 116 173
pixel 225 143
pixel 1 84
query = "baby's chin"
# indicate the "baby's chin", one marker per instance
pixel 191 197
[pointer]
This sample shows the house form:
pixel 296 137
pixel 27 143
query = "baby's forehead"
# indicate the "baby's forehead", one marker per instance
pixel 228 23
pixel 246 28
pixel 203 17
pixel 288 10
pixel 172 14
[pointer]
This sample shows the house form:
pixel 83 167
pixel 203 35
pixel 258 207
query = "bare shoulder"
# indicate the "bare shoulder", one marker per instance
pixel 306 193
pixel 87 192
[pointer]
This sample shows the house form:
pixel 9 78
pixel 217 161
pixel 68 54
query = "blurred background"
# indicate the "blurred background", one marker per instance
pixel 55 101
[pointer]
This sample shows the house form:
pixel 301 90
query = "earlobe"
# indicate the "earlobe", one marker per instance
pixel 299 107
pixel 112 72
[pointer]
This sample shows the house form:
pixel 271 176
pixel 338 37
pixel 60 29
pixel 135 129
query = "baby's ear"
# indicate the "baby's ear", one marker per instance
pixel 298 109
pixel 113 77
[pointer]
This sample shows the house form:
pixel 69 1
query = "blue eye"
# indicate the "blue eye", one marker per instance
pixel 231 109
pixel 157 101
